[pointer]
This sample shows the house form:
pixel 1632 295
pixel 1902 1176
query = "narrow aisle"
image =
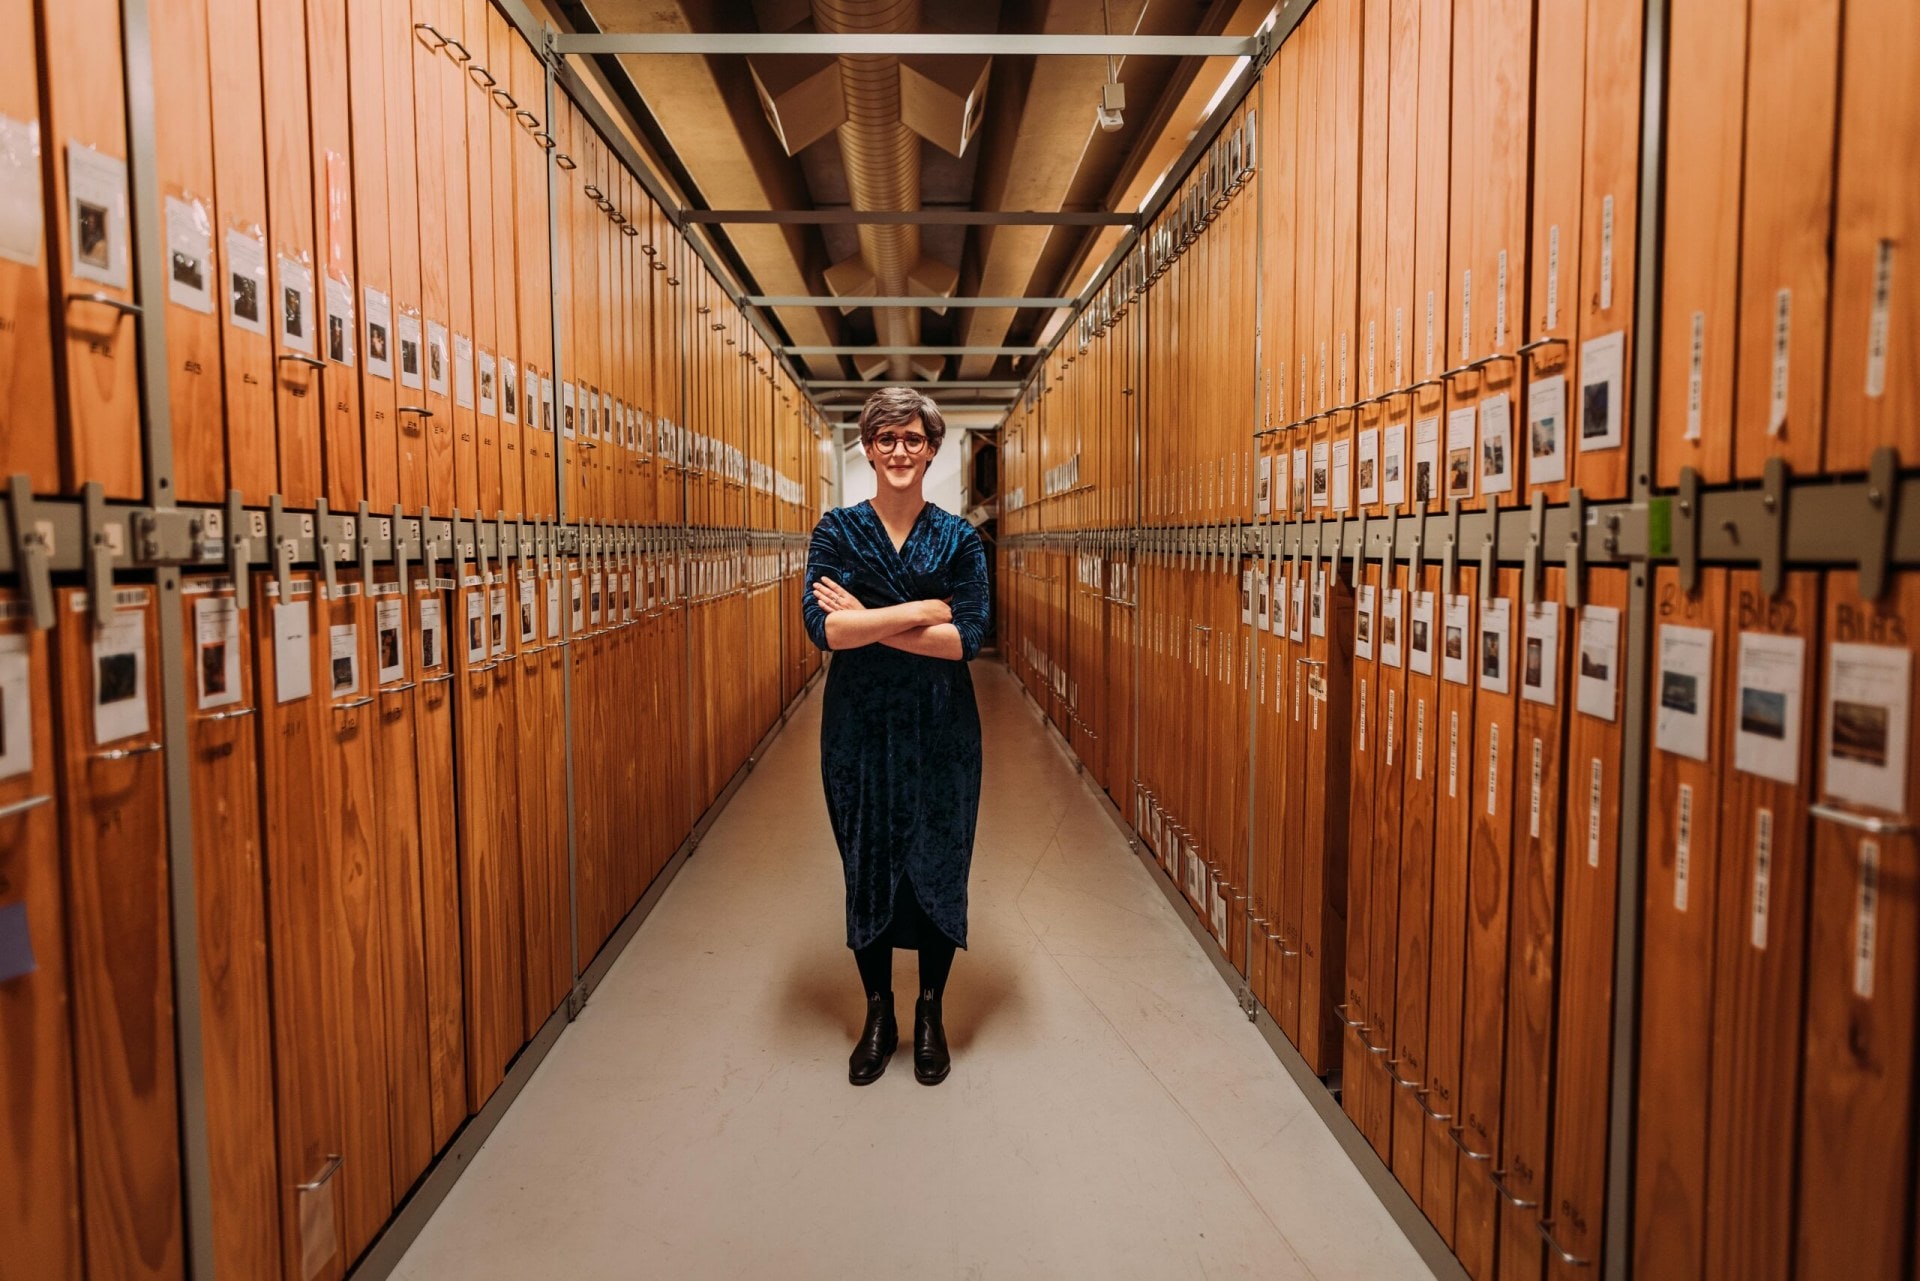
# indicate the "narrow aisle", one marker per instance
pixel 1111 1112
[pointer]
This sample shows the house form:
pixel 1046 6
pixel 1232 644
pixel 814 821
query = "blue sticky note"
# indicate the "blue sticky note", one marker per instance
pixel 16 949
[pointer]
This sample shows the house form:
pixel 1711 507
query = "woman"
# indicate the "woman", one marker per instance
pixel 899 587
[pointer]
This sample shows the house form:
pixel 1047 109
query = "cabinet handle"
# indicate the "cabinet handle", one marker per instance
pixel 1519 1203
pixel 309 361
pixel 123 753
pixel 526 118
pixel 421 410
pixel 1393 1073
pixel 506 100
pixel 477 72
pixel 1860 822
pixel 353 703
pixel 1454 1132
pixel 120 305
pixel 22 806
pixel 231 714
pixel 1571 1260
pixel 463 55
pixel 401 688
pixel 327 1171
pixel 441 679
pixel 429 28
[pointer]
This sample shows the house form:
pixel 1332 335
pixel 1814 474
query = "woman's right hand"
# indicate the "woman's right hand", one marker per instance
pixel 935 612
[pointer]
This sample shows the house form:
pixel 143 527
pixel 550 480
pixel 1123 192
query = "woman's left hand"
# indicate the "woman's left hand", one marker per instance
pixel 833 597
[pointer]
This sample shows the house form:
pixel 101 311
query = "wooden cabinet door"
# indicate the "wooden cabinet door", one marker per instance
pixel 39 1175
pixel 1541 411
pixel 91 250
pixel 1677 950
pixel 476 106
pixel 119 935
pixel 1856 1101
pixel 438 635
pixel 229 881
pixel 337 300
pixel 188 216
pixel 1360 1096
pixel 28 443
pixel 504 140
pixel 243 292
pixel 1413 960
pixel 368 104
pixel 294 311
pixel 427 149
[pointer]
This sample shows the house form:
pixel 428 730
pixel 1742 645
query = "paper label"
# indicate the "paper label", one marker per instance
pixel 1393 703
pixel 216 636
pixel 296 314
pixel 340 321
pixel 344 659
pixel 97 216
pixel 1602 388
pixel 1685 691
pixel 247 291
pixel 16 706
pixel 1342 474
pixel 1500 306
pixel 1322 473
pixel 1466 315
pixel 1599 667
pixel 1496 444
pixel 1392 606
pixel 1458 621
pixel 1496 645
pixel 412 355
pixel 21 229
pixel 1453 754
pixel 497 600
pixel 527 620
pixel 509 390
pixel 1299 608
pixel 1399 345
pixel 1547 430
pixel 1493 767
pixel 1373 383
pixel 1419 739
pixel 1393 466
pixel 1426 460
pixel 1533 805
pixel 1606 253
pixel 389 622
pixel 1370 466
pixel 1682 847
pixel 1246 594
pixel 1866 919
pixel 476 626
pixel 1363 623
pixel 1766 739
pixel 1762 877
pixel 1318 619
pixel 1429 365
pixel 1876 323
pixel 433 650
pixel 1540 663
pixel 1696 376
pixel 1420 635
pixel 120 676
pixel 568 429
pixel 189 255
pixel 1782 346
pixel 553 609
pixel 1867 706
pixel 379 333
pixel 463 371
pixel 438 358
pixel 1593 814
pixel 489 385
pixel 1553 277
pixel 292 650
pixel 1278 624
pixel 1460 460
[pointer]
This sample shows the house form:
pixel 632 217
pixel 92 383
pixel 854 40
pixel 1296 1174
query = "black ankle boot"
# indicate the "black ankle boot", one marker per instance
pixel 930 1059
pixel 878 1040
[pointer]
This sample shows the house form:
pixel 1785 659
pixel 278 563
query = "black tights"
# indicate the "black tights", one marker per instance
pixel 876 966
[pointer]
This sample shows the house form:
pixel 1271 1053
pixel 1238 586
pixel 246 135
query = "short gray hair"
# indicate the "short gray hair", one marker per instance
pixel 893 406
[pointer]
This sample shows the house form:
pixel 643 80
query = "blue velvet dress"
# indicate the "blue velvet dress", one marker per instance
pixel 900 732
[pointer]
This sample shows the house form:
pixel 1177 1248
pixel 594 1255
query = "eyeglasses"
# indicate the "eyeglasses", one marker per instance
pixel 886 440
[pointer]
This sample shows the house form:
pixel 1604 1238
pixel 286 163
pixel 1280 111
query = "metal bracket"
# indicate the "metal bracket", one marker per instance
pixel 1389 548
pixel 1686 529
pixel 500 539
pixel 323 545
pixel 1883 496
pixel 459 552
pixel 1536 538
pixel 1419 550
pixel 520 544
pixel 1451 558
pixel 32 551
pixel 1576 552
pixel 1488 547
pixel 1773 543
pixel 399 548
pixel 100 550
pixel 281 547
pixel 1360 550
pixel 239 550
pixel 365 531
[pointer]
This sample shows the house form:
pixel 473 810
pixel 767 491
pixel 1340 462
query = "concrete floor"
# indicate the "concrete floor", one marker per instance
pixel 1111 1112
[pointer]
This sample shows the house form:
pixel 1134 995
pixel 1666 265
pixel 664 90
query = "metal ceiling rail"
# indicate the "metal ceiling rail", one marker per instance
pixel 881 300
pixel 857 350
pixel 1010 384
pixel 902 45
pixel 916 217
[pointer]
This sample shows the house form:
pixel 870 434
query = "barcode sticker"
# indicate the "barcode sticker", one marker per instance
pixel 1683 848
pixel 1593 816
pixel 1866 909
pixel 1762 875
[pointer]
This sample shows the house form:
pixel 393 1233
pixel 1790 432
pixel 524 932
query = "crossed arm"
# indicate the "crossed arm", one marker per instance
pixel 917 626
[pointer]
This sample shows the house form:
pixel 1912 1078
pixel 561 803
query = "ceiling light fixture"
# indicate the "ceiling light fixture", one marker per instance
pixel 1113 94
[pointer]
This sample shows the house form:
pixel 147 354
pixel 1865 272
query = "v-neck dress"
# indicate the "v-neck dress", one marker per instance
pixel 900 732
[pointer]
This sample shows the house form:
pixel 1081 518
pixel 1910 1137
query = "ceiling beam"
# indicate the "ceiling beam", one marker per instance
pixel 833 45
pixel 998 384
pixel 881 300
pixel 914 218
pixel 911 351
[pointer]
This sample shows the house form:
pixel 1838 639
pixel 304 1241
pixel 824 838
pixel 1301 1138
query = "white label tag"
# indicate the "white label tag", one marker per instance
pixel 1496 445
pixel 432 651
pixel 292 651
pixel 463 371
pixel 1547 429
pixel 1553 277
pixel 509 390
pixel 1682 847
pixel 189 255
pixel 97 216
pixel 1762 876
pixel 343 655
pixel 1606 253
pixel 438 359
pixel 1392 707
pixel 1877 324
pixel 1419 739
pixel 1493 767
pixel 379 332
pixel 340 321
pixel 1372 381
pixel 489 385
pixel 390 652
pixel 1500 306
pixel 1460 462
pixel 1696 376
pixel 1363 715
pixel 1399 344
pixel 1429 369
pixel 1782 344
pixel 412 358
pixel 1466 315
pixel 1533 805
pixel 1453 754
pixel 1866 919
pixel 216 636
pixel 1686 689
pixel 1593 816
pixel 296 311
pixel 1602 389
pixel 21 229
pixel 1393 466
